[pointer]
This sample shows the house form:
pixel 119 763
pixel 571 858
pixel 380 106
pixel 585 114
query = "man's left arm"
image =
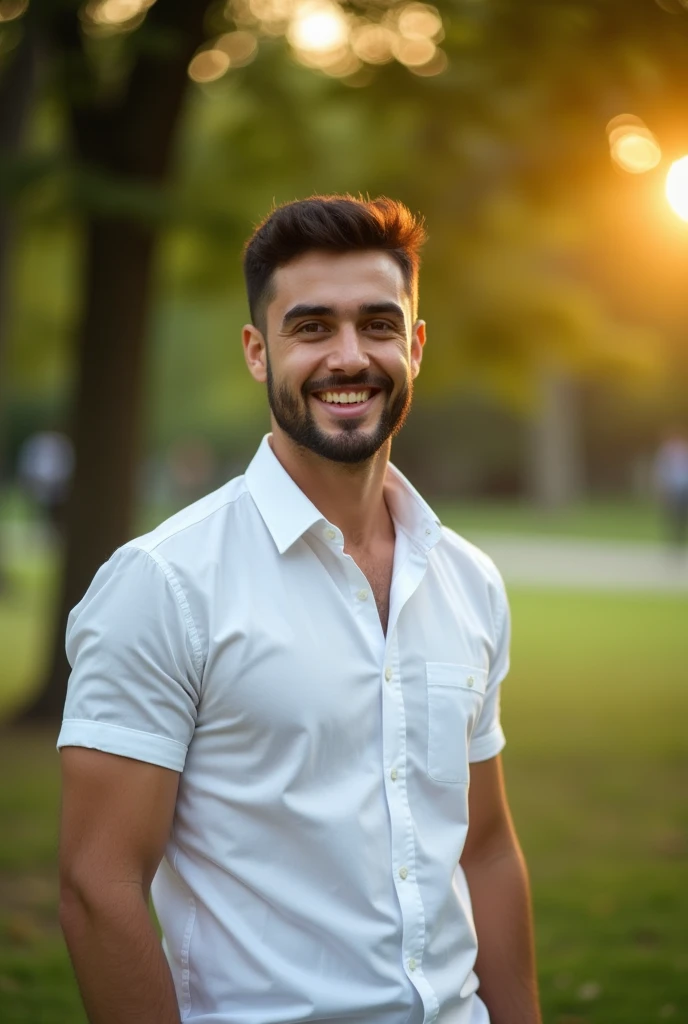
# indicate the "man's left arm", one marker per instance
pixel 500 893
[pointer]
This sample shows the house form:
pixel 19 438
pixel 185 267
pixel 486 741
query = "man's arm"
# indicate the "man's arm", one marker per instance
pixel 500 894
pixel 116 818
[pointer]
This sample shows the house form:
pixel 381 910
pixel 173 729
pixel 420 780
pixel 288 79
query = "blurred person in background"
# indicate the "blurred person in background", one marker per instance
pixel 44 467
pixel 279 696
pixel 670 474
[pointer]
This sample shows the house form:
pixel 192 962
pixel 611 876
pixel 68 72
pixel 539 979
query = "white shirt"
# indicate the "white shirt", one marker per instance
pixel 311 873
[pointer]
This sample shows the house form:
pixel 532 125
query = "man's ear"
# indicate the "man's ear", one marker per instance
pixel 417 343
pixel 255 353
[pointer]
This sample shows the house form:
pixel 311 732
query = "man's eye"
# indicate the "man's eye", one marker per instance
pixel 312 327
pixel 380 325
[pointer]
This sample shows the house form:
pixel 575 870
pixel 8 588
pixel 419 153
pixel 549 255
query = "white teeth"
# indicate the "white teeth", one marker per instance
pixel 340 398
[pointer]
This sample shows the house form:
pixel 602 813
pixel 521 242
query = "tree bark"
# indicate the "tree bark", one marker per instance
pixel 555 459
pixel 132 141
pixel 17 89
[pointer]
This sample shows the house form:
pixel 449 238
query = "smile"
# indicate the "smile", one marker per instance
pixel 345 404
pixel 344 397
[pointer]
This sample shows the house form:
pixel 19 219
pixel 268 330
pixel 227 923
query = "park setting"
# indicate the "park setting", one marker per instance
pixel 546 147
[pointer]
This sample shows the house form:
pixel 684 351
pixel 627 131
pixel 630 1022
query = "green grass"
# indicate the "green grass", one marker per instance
pixel 599 520
pixel 597 761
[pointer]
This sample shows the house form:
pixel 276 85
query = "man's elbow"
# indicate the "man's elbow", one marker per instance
pixel 85 901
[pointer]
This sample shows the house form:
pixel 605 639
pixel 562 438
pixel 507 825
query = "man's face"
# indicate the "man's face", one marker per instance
pixel 341 352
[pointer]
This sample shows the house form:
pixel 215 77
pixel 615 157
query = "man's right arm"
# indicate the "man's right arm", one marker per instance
pixel 116 819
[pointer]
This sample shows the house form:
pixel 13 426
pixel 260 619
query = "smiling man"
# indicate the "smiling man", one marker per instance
pixel 284 705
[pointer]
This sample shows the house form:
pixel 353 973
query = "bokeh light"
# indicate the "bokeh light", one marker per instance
pixel 373 43
pixel 318 27
pixel 208 65
pixel 414 52
pixel 677 187
pixel 435 66
pixel 111 13
pixel 420 21
pixel 339 42
pixel 11 9
pixel 632 145
pixel 241 47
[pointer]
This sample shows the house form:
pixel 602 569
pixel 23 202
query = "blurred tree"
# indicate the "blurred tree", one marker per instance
pixel 17 87
pixel 123 99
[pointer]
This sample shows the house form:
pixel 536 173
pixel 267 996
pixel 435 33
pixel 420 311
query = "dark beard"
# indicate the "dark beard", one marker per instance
pixel 349 445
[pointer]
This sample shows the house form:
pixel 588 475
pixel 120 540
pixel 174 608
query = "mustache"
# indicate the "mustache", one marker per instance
pixel 359 380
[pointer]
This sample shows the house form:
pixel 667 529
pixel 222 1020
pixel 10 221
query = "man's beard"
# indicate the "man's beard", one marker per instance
pixel 350 444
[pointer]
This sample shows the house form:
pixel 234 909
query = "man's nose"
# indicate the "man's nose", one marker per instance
pixel 348 354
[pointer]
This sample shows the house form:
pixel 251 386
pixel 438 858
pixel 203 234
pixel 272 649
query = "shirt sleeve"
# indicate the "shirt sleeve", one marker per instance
pixel 136 666
pixel 488 739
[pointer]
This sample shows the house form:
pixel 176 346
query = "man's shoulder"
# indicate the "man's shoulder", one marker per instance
pixel 469 557
pixel 197 527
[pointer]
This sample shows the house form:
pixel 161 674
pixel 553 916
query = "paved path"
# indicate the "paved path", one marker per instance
pixel 523 561
pixel 600 565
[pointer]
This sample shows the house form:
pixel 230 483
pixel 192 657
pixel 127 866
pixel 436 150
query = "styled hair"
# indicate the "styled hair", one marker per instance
pixel 335 223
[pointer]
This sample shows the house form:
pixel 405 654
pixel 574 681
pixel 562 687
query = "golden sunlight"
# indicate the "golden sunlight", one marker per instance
pixel 677 187
pixel 636 152
pixel 318 27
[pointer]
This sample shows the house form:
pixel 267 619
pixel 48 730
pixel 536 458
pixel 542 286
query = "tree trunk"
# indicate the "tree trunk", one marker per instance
pixel 134 142
pixel 555 461
pixel 107 419
pixel 16 94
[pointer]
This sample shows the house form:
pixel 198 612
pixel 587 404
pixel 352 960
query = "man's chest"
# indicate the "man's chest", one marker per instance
pixel 300 652
pixel 378 572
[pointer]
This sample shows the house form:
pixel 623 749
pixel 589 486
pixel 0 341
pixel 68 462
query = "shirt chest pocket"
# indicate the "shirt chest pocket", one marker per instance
pixel 455 699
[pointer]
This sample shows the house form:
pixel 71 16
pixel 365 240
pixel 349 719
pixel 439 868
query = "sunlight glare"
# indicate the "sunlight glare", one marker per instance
pixel 677 187
pixel 318 27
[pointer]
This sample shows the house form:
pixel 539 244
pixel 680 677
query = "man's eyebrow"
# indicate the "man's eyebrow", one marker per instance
pixel 375 308
pixel 303 309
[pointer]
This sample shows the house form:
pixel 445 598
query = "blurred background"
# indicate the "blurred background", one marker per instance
pixel 546 144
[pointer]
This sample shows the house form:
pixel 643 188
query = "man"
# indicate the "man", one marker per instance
pixel 276 695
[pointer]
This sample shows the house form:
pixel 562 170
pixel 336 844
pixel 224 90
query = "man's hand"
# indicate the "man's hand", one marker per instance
pixel 500 894
pixel 116 818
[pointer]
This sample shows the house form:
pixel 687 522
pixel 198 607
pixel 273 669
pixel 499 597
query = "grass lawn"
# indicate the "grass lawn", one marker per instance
pixel 597 761
pixel 599 520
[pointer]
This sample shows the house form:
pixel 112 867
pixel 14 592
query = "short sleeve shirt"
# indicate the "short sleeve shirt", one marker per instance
pixel 312 870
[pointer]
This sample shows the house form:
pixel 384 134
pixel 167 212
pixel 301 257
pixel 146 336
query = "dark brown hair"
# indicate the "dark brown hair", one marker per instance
pixel 336 223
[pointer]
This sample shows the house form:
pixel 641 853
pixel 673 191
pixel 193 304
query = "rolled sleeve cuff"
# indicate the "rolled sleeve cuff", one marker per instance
pixel 484 747
pixel 118 739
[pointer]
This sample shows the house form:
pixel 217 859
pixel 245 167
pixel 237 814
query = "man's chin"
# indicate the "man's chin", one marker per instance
pixel 348 445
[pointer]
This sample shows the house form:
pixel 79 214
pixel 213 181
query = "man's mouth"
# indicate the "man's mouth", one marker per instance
pixel 346 397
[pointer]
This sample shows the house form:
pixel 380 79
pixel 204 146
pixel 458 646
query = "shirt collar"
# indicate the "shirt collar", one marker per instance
pixel 288 513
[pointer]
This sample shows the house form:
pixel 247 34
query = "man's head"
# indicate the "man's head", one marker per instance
pixel 332 289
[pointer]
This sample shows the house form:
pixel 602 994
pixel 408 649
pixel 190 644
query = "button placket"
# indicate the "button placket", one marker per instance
pixel 401 822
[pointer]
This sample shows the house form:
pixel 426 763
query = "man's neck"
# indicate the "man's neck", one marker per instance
pixel 349 495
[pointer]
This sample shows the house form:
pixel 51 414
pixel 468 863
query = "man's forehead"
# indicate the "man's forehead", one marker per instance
pixel 338 279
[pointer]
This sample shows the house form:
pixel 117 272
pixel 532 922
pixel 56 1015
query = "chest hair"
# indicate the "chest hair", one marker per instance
pixel 378 572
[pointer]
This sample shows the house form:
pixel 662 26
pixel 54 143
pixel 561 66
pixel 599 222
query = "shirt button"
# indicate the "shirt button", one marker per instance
pixel 330 533
pixel 388 673
pixel 362 595
pixel 403 874
pixel 428 532
pixel 393 775
pixel 471 681
pixel 412 964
